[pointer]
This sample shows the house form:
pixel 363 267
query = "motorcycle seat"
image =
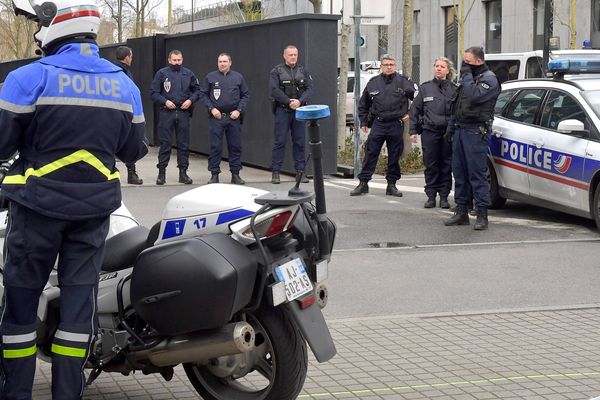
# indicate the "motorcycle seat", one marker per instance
pixel 123 248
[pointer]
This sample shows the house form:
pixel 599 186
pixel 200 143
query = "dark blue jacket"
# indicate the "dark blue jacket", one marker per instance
pixel 432 107
pixel 224 92
pixel 177 86
pixel 386 97
pixel 476 97
pixel 69 115
pixel 300 79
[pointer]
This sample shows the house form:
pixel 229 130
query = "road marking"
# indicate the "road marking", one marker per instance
pixel 475 382
pixel 427 246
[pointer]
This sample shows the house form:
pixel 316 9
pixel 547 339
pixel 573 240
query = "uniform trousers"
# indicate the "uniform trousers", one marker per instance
pixel 231 129
pixel 33 242
pixel 177 121
pixel 390 133
pixel 285 121
pixel 437 157
pixel 469 165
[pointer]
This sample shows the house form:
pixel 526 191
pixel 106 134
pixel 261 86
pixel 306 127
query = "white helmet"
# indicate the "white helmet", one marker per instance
pixel 60 19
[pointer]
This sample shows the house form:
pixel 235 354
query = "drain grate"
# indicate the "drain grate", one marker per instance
pixel 384 245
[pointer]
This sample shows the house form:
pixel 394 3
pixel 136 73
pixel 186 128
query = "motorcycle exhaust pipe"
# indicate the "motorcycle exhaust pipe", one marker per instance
pixel 234 338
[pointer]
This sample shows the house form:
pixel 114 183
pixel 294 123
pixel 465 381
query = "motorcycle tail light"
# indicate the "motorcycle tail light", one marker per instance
pixel 274 225
pixel 307 301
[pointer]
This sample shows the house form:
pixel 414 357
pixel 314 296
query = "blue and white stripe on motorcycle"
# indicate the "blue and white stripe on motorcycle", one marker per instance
pixel 229 216
pixel 175 228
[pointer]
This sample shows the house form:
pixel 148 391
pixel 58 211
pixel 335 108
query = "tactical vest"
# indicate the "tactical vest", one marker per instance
pixel 474 113
pixel 293 87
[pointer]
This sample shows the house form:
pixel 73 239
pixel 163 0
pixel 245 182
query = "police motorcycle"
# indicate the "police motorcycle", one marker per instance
pixel 229 283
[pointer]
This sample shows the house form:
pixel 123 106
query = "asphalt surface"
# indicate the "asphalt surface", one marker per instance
pixel 423 311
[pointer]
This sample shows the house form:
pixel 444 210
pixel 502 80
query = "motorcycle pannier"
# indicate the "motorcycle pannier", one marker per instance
pixel 192 284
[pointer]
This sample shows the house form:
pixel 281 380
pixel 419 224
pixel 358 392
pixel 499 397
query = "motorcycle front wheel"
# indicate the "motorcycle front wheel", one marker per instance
pixel 278 364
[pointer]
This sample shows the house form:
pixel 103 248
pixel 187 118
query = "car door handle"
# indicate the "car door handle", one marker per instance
pixel 538 143
pixel 587 154
pixel 497 133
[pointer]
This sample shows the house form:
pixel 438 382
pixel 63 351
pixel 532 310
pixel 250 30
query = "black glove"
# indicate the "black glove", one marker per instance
pixel 465 69
pixel 448 137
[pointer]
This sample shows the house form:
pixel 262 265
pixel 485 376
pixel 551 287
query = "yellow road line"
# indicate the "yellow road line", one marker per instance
pixel 448 384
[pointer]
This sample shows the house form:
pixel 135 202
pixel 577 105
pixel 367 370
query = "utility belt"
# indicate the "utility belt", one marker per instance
pixel 382 119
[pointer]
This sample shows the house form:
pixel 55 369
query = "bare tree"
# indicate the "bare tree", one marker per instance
pixel 115 10
pixel 16 34
pixel 142 10
pixel 571 24
pixel 407 38
pixel 461 24
pixel 343 85
pixel 317 6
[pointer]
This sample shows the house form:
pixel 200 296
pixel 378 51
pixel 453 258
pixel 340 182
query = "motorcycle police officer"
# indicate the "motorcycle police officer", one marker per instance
pixel 290 86
pixel 225 94
pixel 383 107
pixel 69 115
pixel 473 113
pixel 175 89
pixel 429 115
pixel 124 57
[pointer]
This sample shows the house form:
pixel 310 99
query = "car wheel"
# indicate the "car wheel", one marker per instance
pixel 596 206
pixel 495 198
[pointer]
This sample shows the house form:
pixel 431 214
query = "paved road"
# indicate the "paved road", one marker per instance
pixel 422 311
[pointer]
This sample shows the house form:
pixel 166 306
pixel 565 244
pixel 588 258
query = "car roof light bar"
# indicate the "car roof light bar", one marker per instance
pixel 574 66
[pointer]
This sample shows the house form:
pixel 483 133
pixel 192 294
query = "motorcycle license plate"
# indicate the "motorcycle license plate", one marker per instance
pixel 293 274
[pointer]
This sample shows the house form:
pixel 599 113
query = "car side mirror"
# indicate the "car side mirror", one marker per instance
pixel 572 126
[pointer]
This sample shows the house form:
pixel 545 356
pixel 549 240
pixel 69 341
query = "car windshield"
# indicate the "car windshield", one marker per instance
pixel 593 99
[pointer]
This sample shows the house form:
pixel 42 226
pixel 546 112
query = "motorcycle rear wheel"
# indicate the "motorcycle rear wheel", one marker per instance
pixel 282 364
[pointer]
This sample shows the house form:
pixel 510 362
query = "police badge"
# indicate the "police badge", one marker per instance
pixel 167 85
pixel 217 91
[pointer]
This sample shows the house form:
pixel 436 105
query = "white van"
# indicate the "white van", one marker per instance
pixel 528 64
pixel 365 77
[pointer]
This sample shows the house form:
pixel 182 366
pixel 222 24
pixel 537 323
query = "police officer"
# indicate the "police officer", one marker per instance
pixel 225 94
pixel 68 115
pixel 472 116
pixel 290 86
pixel 383 107
pixel 175 89
pixel 124 56
pixel 429 115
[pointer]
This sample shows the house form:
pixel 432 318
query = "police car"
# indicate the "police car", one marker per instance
pixel 545 140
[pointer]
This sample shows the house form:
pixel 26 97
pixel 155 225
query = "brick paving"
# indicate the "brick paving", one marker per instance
pixel 536 354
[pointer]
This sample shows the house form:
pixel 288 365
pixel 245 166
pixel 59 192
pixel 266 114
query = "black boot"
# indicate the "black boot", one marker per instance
pixel 161 176
pixel 444 202
pixel 275 178
pixel 430 203
pixel 481 224
pixel 236 179
pixel 132 177
pixel 214 178
pixel 362 188
pixel 183 176
pixel 304 178
pixel 460 217
pixel 392 190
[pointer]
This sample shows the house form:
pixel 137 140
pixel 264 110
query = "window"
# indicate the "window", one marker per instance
pixel 533 68
pixel 505 70
pixel 525 105
pixel 502 100
pixel 451 35
pixel 595 23
pixel 493 32
pixel 559 107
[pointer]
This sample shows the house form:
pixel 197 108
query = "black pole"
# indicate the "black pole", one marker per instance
pixel 316 151
pixel 547 33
